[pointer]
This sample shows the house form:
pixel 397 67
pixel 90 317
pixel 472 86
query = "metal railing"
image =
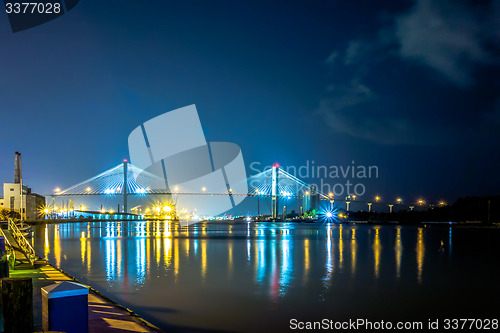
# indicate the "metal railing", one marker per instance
pixel 11 254
pixel 25 246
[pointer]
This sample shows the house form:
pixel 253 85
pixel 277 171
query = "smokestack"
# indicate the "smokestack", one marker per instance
pixel 17 171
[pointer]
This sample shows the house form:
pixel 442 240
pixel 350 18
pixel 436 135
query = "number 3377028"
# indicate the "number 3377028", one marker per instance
pixel 32 8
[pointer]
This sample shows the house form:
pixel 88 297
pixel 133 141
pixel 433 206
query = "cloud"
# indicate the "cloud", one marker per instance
pixel 350 110
pixel 444 36
pixel 332 57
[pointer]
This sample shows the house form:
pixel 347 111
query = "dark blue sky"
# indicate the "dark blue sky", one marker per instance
pixel 409 86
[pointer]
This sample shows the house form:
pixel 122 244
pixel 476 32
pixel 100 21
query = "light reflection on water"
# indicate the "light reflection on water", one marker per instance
pixel 224 276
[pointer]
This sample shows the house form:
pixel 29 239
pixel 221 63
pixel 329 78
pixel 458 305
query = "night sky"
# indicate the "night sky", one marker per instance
pixel 412 87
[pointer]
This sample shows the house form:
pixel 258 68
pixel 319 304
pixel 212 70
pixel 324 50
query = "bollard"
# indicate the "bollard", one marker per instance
pixel 17 304
pixel 65 307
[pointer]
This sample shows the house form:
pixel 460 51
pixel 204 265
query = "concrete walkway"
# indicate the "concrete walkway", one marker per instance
pixel 104 315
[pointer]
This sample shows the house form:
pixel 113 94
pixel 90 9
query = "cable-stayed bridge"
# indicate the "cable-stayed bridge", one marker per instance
pixel 132 186
pixel 128 181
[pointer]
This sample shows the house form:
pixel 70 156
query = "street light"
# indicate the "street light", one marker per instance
pixel 203 188
pixel 377 198
pixel 399 200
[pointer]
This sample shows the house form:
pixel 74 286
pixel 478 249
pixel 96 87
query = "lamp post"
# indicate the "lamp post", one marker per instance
pixel 390 208
pixel 332 200
pixel 370 206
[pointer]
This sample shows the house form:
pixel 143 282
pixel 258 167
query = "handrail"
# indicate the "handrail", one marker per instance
pixel 22 242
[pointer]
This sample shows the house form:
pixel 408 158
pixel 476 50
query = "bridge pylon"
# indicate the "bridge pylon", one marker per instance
pixel 275 191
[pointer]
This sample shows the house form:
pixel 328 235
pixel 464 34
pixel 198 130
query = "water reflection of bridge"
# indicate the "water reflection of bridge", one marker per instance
pixel 277 256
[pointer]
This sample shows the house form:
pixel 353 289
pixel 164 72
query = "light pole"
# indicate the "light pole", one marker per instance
pixel 332 200
pixel 390 208
pixel 370 206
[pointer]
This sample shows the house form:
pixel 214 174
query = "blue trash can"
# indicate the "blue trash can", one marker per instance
pixel 65 307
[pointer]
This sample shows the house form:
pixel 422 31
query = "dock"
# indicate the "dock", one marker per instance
pixel 104 314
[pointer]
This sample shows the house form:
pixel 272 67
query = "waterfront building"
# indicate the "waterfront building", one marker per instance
pixel 19 198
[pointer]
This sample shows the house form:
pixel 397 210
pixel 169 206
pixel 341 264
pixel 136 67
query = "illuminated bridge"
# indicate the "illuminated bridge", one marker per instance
pixel 125 185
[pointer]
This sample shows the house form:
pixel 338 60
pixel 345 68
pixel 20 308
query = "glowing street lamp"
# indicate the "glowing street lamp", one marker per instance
pixel 399 200
pixel 167 209
pixel 203 188
pixel 57 189
pixel 377 198
pixel 88 189
pixel 331 200
pixel 442 203
pixel 420 202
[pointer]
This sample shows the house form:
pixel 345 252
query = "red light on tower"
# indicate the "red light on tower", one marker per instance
pixel 125 161
pixel 276 165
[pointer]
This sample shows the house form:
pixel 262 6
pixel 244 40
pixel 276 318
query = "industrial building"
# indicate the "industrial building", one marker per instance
pixel 19 198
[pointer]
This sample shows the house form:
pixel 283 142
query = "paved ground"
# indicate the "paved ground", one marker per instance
pixel 104 315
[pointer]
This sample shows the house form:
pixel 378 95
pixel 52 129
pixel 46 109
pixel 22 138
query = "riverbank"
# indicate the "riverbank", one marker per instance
pixel 105 315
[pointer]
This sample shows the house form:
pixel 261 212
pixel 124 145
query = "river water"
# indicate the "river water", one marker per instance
pixel 251 277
